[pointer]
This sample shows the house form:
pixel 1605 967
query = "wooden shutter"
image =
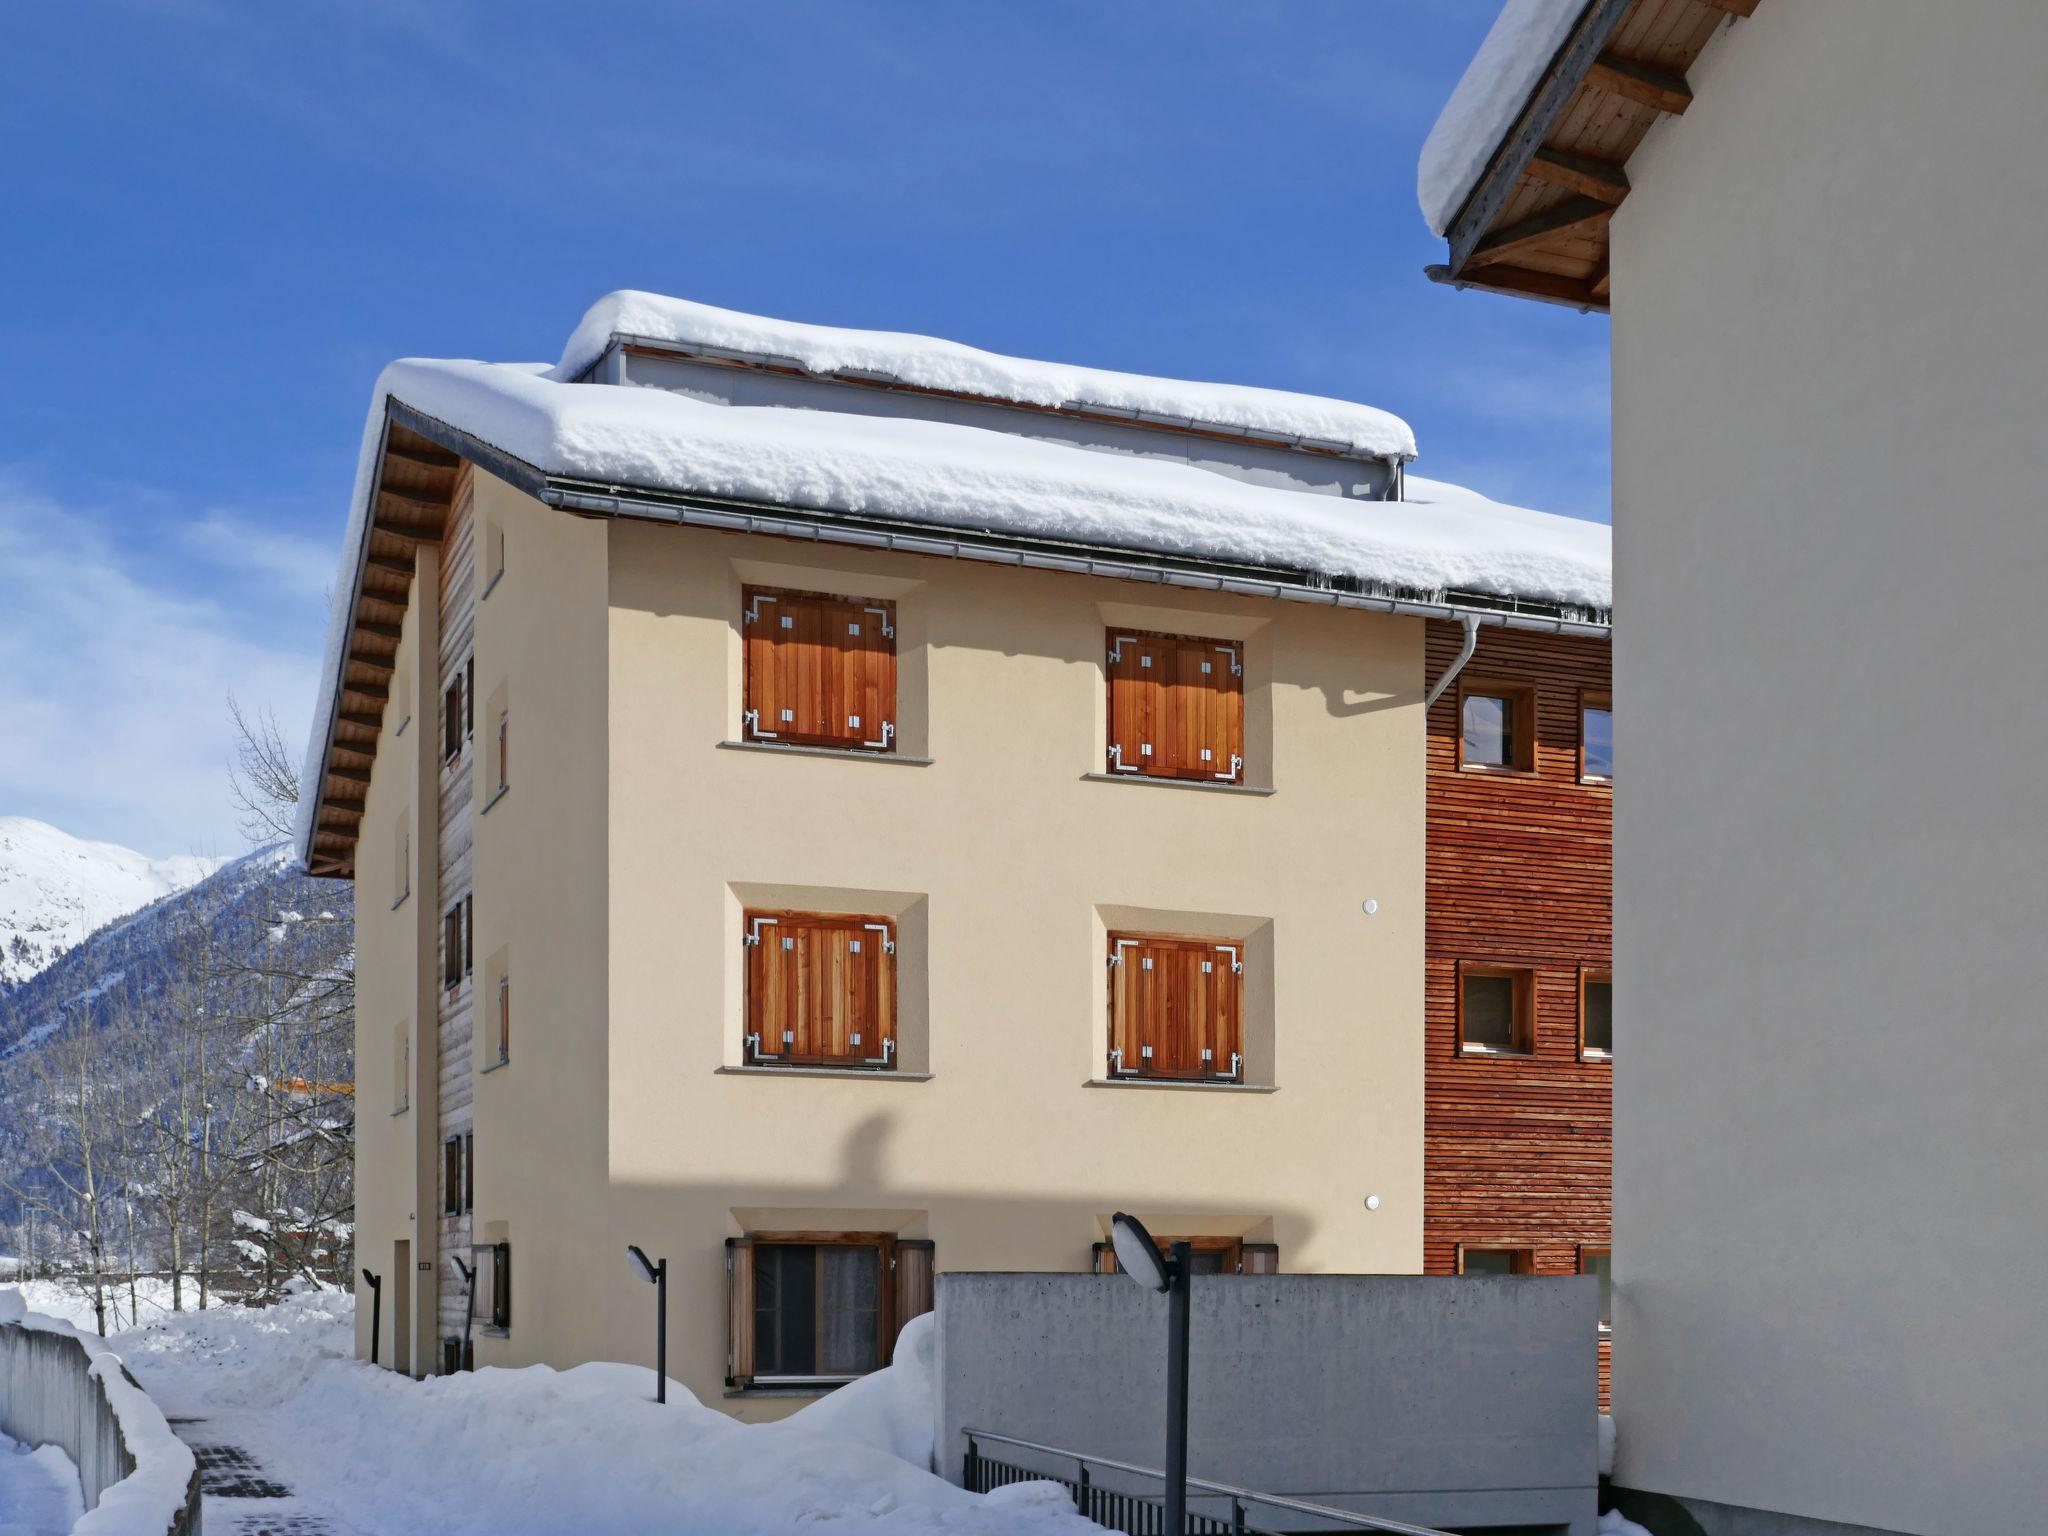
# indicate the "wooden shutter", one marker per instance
pixel 821 990
pixel 914 1266
pixel 451 1176
pixel 1176 707
pixel 1259 1259
pixel 1176 1007
pixel 469 1172
pixel 820 671
pixel 739 1310
pixel 501 1286
pixel 1105 1259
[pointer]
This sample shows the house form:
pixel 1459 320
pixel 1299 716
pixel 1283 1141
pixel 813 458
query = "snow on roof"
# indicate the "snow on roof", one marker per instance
pixel 927 362
pixel 952 476
pixel 1488 98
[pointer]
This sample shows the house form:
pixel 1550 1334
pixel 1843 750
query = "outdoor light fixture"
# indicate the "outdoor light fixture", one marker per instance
pixel 655 1273
pixel 1137 1255
pixel 376 1285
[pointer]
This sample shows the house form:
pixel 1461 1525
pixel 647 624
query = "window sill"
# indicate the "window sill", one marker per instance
pixel 882 1074
pixel 494 1333
pixel 1496 1053
pixel 502 1061
pixel 1180 1082
pixel 853 753
pixel 817 1391
pixel 1590 1054
pixel 1140 778
pixel 503 790
pixel 1498 770
pixel 1595 781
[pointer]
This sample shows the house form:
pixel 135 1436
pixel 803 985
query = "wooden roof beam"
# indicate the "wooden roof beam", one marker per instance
pixel 1573 217
pixel 385 664
pixel 397 565
pixel 1603 180
pixel 1601 288
pixel 1644 84
pixel 381 631
pixel 426 456
pixel 1732 7
pixel 362 722
pixel 367 690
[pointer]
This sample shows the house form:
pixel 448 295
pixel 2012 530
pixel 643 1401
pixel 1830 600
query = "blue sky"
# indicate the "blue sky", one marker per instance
pixel 234 214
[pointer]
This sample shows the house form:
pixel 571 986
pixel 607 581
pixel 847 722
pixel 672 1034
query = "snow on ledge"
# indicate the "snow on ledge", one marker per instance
pixel 147 1500
pixel 1486 101
pixel 928 362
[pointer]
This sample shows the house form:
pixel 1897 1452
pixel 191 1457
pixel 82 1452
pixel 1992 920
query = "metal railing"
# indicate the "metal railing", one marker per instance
pixel 1145 1514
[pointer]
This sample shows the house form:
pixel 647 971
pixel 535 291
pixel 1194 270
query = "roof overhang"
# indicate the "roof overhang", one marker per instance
pixel 419 458
pixel 1535 224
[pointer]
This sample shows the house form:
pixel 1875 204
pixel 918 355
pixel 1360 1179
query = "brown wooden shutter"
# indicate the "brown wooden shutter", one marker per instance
pixel 1105 1259
pixel 1259 1259
pixel 739 1308
pixel 451 1176
pixel 914 1266
pixel 820 671
pixel 469 1171
pixel 821 990
pixel 1176 707
pixel 501 1286
pixel 1176 1007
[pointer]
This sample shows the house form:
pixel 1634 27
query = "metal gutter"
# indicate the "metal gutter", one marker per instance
pixel 1465 650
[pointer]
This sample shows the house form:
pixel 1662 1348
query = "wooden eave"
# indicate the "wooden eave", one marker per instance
pixel 1536 223
pixel 409 503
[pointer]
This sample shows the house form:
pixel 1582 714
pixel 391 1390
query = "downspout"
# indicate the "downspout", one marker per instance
pixel 1471 643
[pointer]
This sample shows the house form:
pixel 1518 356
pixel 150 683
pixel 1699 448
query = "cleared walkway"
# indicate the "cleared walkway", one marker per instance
pixel 238 1497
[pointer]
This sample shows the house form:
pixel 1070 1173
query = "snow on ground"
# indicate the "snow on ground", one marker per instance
pixel 928 362
pixel 39 1491
pixel 70 1302
pixel 1486 101
pixel 1615 1523
pixel 537 1450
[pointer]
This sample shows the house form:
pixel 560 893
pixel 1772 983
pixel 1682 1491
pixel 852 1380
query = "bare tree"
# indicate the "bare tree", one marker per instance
pixel 263 775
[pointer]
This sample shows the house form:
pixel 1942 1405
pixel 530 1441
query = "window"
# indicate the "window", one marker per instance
pixel 451 1176
pixel 1596 1015
pixel 820 1309
pixel 454 930
pixel 1474 1260
pixel 1176 707
pixel 1497 727
pixel 468 1171
pixel 505 1017
pixel 491 1300
pixel 1212 1256
pixel 1496 1010
pixel 469 698
pixel 1599 1263
pixel 451 721
pixel 1176 1007
pixel 821 990
pixel 1596 738
pixel 401 1066
pixel 820 671
pixel 468 935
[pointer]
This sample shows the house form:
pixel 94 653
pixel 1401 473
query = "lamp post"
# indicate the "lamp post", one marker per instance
pixel 376 1285
pixel 1137 1255
pixel 655 1272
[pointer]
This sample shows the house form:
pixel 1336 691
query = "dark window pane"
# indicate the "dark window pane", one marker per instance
pixel 1596 734
pixel 451 947
pixel 1206 1261
pixel 1490 1011
pixel 1489 729
pixel 851 1282
pixel 785 1310
pixel 1600 1016
pixel 1490 1261
pixel 1601 1267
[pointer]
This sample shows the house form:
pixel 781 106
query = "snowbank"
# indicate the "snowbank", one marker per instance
pixel 585 1450
pixel 1486 101
pixel 928 362
pixel 43 1403
pixel 39 1491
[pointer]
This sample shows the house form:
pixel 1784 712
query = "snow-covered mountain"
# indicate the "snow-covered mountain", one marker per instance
pixel 56 889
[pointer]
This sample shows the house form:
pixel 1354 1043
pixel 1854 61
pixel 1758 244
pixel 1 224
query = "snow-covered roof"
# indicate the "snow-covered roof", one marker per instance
pixel 928 362
pixel 951 477
pixel 1489 97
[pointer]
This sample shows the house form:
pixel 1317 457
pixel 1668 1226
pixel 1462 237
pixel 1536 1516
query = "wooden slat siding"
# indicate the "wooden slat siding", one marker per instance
pixel 456 1012
pixel 820 988
pixel 1176 1006
pixel 1159 695
pixel 1518 1151
pixel 832 663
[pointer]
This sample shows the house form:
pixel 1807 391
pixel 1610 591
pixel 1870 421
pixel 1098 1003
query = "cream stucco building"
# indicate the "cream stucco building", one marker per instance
pixel 826 806
pixel 1830 364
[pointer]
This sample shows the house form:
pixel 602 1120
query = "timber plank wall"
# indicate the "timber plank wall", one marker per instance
pixel 1518 1150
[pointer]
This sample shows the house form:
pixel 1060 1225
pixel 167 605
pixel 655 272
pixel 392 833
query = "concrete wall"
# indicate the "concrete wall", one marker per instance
pixel 1460 1402
pixel 1006 865
pixel 49 1396
pixel 1830 364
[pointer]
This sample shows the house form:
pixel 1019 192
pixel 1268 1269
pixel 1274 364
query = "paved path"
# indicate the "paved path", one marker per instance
pixel 238 1497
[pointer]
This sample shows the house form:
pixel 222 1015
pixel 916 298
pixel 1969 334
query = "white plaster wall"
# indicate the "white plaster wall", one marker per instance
pixel 1831 368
